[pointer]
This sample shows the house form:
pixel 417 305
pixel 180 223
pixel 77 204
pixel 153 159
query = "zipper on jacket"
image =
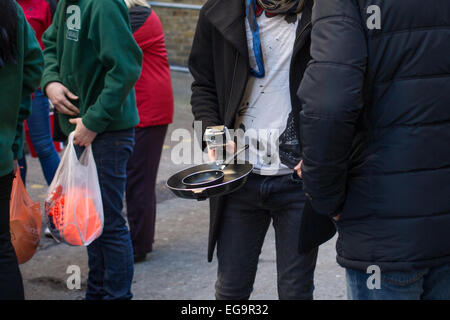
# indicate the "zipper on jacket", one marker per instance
pixel 303 31
pixel 234 76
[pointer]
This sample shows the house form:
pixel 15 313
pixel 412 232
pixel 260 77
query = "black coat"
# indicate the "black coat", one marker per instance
pixel 376 130
pixel 219 63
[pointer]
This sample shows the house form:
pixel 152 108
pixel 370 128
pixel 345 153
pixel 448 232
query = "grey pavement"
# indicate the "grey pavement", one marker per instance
pixel 177 269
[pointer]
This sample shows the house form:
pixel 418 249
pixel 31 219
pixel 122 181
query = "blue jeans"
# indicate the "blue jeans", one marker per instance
pixel 425 284
pixel 111 255
pixel 247 215
pixel 40 134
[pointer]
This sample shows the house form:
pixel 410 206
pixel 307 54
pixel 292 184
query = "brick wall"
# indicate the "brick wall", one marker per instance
pixel 179 28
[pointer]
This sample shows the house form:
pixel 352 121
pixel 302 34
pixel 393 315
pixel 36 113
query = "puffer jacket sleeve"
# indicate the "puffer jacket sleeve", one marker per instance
pixel 331 96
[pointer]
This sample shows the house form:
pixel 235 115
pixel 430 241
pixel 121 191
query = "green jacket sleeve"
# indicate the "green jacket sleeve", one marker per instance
pixel 32 72
pixel 51 69
pixel 24 113
pixel 121 57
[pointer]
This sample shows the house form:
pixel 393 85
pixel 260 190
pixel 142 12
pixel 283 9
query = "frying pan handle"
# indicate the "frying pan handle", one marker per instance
pixel 233 157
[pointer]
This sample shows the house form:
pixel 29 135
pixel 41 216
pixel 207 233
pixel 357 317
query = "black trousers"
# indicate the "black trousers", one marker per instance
pixel 11 286
pixel 247 215
pixel 142 171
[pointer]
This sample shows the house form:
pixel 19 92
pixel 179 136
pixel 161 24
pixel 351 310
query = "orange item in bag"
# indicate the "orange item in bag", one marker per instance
pixel 25 221
pixel 73 217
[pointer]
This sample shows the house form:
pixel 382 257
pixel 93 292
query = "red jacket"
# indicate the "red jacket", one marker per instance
pixel 39 16
pixel 154 94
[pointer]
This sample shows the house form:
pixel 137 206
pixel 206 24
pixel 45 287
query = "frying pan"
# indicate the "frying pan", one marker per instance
pixel 203 178
pixel 209 177
pixel 234 177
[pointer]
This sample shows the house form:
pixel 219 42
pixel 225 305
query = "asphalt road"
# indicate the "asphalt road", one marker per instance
pixel 177 269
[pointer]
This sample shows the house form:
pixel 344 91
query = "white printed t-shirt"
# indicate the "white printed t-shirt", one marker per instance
pixel 265 107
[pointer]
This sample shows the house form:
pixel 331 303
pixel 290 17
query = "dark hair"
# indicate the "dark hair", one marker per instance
pixel 8 32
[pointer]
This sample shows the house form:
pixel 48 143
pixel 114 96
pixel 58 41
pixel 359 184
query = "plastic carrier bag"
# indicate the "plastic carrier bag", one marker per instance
pixel 73 208
pixel 25 221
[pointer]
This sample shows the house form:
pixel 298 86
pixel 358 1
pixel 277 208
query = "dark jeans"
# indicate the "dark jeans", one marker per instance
pixel 111 255
pixel 142 171
pixel 425 284
pixel 245 221
pixel 11 287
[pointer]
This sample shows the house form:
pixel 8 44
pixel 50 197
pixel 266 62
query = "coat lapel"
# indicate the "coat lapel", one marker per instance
pixel 228 16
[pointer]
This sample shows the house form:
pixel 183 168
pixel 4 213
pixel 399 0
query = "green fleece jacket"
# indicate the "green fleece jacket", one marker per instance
pixel 17 82
pixel 90 49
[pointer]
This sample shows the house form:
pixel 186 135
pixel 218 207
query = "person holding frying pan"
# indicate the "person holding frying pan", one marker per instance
pixel 247 60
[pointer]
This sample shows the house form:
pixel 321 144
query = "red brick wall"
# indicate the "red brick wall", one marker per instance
pixel 179 28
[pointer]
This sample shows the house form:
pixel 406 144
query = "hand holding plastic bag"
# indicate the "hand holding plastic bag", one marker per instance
pixel 73 207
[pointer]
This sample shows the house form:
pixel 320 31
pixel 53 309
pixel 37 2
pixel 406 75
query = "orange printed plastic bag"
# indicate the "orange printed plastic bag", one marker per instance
pixel 73 207
pixel 25 221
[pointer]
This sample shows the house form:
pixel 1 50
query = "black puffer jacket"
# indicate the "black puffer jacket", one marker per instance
pixel 376 129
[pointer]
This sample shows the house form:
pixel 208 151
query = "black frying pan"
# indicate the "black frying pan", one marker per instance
pixel 203 178
pixel 234 177
pixel 212 176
